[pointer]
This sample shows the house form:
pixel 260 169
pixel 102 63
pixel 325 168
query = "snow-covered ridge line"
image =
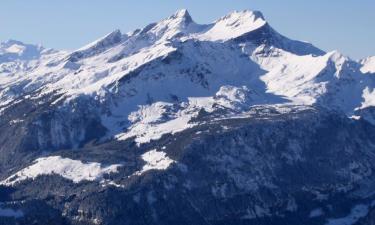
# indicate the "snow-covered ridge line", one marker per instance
pixel 153 81
pixel 73 170
pixel 233 25
pixel 99 64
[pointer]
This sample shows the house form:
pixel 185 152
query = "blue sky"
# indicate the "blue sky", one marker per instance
pixel 345 25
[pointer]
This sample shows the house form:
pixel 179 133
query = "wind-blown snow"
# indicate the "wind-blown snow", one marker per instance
pixel 73 170
pixel 155 160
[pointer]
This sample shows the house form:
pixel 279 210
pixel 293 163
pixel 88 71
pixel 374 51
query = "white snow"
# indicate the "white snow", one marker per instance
pixel 73 170
pixel 233 25
pixel 12 51
pixel 144 133
pixel 119 70
pixel 368 65
pixel 293 76
pixel 16 48
pixel 107 40
pixel 95 79
pixel 178 23
pixel 149 122
pixel 306 79
pixel 368 97
pixel 155 160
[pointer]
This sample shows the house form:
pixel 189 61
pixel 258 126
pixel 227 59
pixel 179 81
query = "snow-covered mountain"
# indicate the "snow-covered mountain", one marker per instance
pixel 179 61
pixel 138 90
pixel 12 50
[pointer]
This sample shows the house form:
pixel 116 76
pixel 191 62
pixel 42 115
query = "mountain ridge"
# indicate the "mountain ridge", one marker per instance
pixel 181 123
pixel 282 68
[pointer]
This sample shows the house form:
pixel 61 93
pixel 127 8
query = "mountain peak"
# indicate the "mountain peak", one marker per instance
pixel 17 50
pixel 245 15
pixel 112 37
pixel 179 23
pixel 182 13
pixel 235 24
pixel 335 55
pixel 11 42
pixel 182 16
pixel 98 46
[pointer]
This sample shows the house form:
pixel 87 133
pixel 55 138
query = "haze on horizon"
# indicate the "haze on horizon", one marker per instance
pixel 343 25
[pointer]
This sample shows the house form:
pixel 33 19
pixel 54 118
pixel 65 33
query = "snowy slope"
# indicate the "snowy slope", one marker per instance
pixel 74 170
pixel 233 25
pixel 17 62
pixel 155 160
pixel 155 80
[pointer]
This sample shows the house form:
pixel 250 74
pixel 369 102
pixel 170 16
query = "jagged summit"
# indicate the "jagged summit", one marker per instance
pixel 245 25
pixel 243 15
pixel 177 25
pixel 109 60
pixel 105 63
pixel 233 25
pixel 182 14
pixel 181 25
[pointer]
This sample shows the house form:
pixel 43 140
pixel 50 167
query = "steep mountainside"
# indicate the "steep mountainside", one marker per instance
pixel 183 123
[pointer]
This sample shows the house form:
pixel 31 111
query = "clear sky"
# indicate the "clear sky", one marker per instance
pixel 345 25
